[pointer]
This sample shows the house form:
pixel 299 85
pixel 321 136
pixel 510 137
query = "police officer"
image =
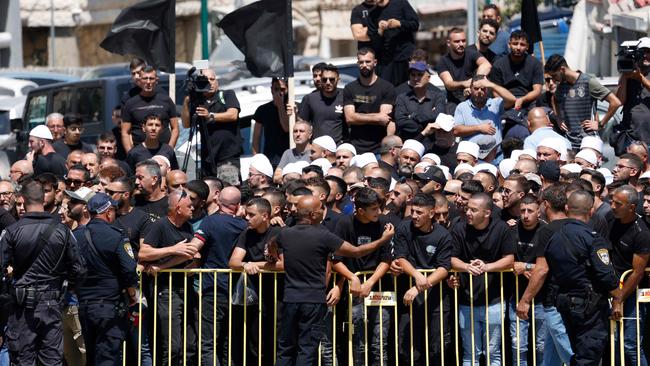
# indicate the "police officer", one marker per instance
pixel 580 267
pixel 111 269
pixel 218 117
pixel 40 254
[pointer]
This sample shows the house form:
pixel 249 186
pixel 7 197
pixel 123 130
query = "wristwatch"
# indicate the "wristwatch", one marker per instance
pixel 528 267
pixel 211 116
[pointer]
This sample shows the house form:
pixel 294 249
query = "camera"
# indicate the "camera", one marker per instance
pixel 629 56
pixel 196 83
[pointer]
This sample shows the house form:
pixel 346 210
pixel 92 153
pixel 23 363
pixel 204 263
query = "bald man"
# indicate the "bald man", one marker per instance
pixel 540 128
pixel 21 169
pixel 176 179
pixel 215 238
pixel 305 249
pixel 389 149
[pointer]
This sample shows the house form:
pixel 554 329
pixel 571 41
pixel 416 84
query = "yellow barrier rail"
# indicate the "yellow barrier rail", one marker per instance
pixel 398 346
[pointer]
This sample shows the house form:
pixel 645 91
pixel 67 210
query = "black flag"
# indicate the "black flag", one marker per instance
pixel 147 30
pixel 263 33
pixel 530 23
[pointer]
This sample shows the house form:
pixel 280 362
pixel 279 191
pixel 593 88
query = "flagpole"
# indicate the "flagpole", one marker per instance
pixel 290 81
pixel 292 102
pixel 541 50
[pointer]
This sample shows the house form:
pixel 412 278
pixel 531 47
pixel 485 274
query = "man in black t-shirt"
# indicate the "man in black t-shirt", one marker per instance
pixel 630 240
pixel 167 245
pixel 557 347
pixel 324 107
pixel 150 101
pixel 221 141
pixel 457 67
pixel 152 127
pixel 364 24
pixel 305 249
pixel 634 93
pixel 72 138
pixel 43 156
pixel 366 226
pixel 133 221
pixel 527 228
pixel 421 244
pixel 368 105
pixel 482 244
pixel 487 34
pixel 149 196
pixel 256 250
pixel 523 75
pixel 273 118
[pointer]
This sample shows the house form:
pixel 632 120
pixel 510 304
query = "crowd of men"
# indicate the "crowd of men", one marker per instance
pixel 482 206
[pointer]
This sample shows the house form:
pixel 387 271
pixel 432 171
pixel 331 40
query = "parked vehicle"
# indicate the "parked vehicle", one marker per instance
pixel 10 88
pixel 39 77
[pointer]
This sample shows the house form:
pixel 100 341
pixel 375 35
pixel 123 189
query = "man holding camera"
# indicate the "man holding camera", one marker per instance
pixel 634 93
pixel 218 116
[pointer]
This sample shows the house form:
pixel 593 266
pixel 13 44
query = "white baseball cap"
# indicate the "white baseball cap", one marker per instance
pixel 262 164
pixel 326 142
pixel 468 147
pixel 445 121
pixel 41 131
pixel 347 147
pixel 414 145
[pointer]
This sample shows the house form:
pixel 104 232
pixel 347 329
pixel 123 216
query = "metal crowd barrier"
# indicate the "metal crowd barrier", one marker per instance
pixel 338 357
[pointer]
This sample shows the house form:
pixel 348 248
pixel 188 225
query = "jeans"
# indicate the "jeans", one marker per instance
pixel 133 335
pixel 557 347
pixel 328 356
pixel 175 350
pixel 301 330
pixel 377 336
pixel 524 326
pixel 482 329
pixel 629 333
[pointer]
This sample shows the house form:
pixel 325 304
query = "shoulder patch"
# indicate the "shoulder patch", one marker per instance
pixel 603 255
pixel 129 250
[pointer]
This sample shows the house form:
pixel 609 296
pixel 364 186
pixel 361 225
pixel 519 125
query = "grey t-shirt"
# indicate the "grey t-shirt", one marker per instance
pixel 291 156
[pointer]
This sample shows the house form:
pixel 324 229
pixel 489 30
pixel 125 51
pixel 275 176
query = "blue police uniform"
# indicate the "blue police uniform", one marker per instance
pixel 102 308
pixel 581 270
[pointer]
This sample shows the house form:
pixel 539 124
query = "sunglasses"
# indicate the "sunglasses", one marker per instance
pixel 331 80
pixel 111 192
pixel 74 181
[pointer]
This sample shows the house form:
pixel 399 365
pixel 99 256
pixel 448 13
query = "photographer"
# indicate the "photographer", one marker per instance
pixel 217 114
pixel 634 93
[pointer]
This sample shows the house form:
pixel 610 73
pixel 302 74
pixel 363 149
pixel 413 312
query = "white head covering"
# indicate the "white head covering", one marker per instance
pixel 323 163
pixel 262 164
pixel 364 159
pixel 571 168
pixel 326 142
pixel 41 131
pixel 432 156
pixel 292 168
pixel 347 147
pixel 415 146
pixel 506 166
pixel 592 142
pixel 445 121
pixel 589 156
pixel 463 167
pixel 609 177
pixel 468 147
pixel 486 166
pixel 445 169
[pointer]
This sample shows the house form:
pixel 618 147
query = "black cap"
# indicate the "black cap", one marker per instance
pixel 549 170
pixel 433 173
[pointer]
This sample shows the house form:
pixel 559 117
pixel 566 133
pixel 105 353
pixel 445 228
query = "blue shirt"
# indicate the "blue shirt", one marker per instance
pixel 468 115
pixel 500 45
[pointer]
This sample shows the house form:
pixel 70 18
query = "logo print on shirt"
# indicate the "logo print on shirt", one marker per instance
pixel 431 249
pixel 363 240
pixel 338 109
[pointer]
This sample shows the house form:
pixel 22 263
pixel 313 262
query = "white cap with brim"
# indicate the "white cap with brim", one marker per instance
pixel 589 156
pixel 347 147
pixel 322 163
pixel 571 168
pixel 415 146
pixel 262 164
pixel 421 165
pixel 486 143
pixel 506 166
pixel 326 142
pixel 463 167
pixel 609 177
pixel 592 142
pixel 445 121
pixel 82 194
pixel 486 167
pixel 533 178
pixel 431 156
pixel 468 147
pixel 42 132
pixel 364 159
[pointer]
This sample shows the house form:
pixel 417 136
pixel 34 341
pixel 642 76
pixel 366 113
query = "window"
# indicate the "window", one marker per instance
pixel 36 111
